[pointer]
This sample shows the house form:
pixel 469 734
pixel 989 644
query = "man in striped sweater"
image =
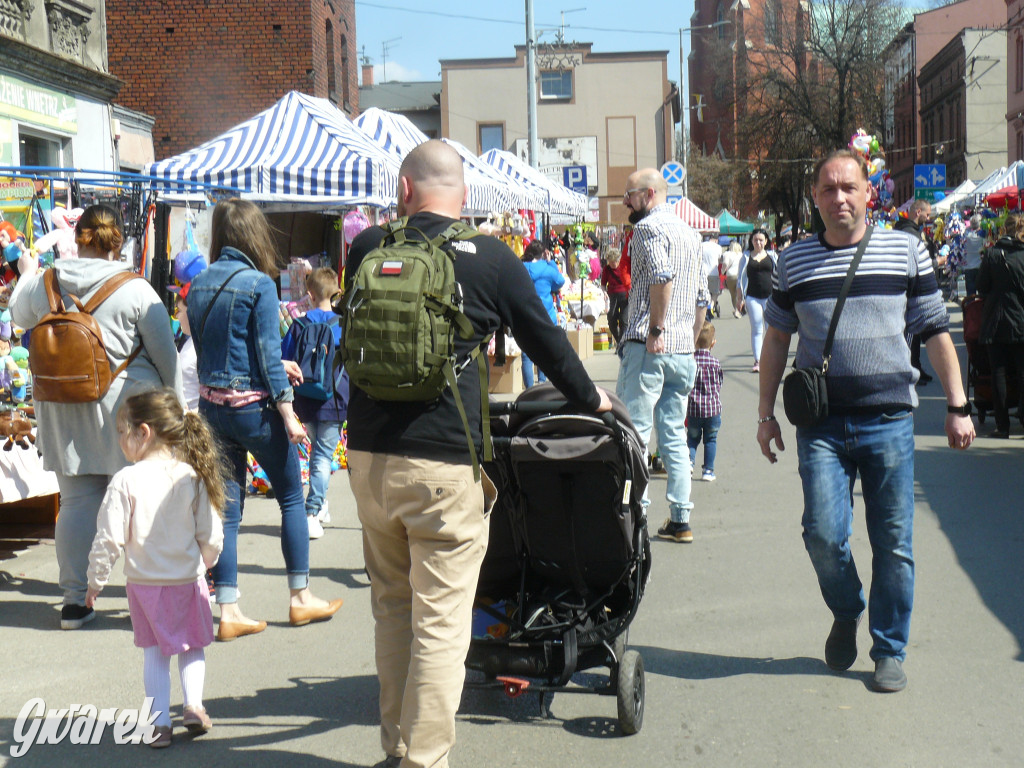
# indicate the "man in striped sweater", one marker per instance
pixel 871 395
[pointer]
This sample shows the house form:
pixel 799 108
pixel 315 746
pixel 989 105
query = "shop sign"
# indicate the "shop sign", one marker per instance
pixel 12 188
pixel 38 105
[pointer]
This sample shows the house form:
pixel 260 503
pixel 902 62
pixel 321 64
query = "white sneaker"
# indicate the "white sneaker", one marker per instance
pixel 315 529
pixel 323 515
pixel 708 476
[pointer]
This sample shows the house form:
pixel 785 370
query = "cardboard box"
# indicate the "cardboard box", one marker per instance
pixel 506 379
pixel 582 341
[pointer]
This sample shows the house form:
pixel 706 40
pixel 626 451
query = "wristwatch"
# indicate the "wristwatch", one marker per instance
pixel 962 410
pixel 655 331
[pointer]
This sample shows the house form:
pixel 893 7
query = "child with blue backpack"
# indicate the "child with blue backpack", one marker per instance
pixel 321 400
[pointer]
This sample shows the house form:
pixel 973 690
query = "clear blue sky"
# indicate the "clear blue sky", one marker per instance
pixel 458 29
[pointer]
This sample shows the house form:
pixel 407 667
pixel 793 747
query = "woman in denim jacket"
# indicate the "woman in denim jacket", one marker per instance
pixel 246 395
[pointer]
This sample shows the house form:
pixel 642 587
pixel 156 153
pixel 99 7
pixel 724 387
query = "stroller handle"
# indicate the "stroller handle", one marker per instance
pixel 542 407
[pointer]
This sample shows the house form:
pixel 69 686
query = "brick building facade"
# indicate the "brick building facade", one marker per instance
pixel 200 67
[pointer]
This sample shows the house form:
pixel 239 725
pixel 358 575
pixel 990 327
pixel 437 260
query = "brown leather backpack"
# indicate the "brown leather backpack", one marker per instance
pixel 68 358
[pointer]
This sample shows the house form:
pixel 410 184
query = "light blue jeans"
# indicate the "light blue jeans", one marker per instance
pixel 881 449
pixel 654 389
pixel 323 437
pixel 755 312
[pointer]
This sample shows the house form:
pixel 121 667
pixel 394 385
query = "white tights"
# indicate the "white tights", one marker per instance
pixel 156 678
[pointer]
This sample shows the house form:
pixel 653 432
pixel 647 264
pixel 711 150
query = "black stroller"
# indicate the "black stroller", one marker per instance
pixel 568 555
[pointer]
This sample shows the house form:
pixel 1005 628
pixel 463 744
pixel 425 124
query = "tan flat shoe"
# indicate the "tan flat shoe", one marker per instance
pixel 229 630
pixel 161 737
pixel 299 616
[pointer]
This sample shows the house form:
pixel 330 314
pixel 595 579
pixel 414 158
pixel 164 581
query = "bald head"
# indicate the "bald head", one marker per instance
pixel 431 179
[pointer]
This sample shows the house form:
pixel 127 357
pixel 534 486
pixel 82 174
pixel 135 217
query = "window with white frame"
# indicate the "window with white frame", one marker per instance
pixel 43 150
pixel 556 84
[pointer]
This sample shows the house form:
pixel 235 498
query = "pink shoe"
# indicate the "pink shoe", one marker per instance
pixel 196 720
pixel 756 368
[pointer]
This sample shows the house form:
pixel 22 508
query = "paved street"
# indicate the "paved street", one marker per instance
pixel 731 632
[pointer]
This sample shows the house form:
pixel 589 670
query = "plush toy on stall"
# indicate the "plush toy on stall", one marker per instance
pixel 19 383
pixel 15 426
pixel 9 370
pixel 62 236
pixel 954 232
pixel 12 244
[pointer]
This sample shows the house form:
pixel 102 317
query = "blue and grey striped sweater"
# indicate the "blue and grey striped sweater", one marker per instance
pixel 894 293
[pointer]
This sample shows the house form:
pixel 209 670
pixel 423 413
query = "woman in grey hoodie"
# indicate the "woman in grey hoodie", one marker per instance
pixel 79 440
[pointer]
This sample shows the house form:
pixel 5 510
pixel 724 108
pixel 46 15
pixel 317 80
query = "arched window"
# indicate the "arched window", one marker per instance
pixel 332 85
pixel 720 20
pixel 772 13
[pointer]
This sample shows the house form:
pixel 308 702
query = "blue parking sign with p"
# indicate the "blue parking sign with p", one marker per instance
pixel 575 178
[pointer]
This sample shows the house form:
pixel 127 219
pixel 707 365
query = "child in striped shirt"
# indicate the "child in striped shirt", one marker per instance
pixel 704 407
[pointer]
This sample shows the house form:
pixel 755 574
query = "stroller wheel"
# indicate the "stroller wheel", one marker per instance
pixel 630 693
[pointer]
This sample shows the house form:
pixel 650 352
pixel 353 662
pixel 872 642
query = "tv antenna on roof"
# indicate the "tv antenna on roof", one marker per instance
pixel 561 27
pixel 386 47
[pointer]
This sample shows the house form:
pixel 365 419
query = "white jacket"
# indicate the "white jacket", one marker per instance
pixel 159 512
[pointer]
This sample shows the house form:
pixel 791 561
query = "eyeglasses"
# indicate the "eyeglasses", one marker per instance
pixel 629 192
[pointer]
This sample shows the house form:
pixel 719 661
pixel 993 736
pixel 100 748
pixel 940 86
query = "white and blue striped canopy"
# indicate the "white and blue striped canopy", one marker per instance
pixel 1004 177
pixel 397 136
pixel 301 150
pixel 557 199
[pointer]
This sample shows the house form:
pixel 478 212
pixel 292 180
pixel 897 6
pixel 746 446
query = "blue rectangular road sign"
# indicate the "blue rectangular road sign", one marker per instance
pixel 575 178
pixel 929 176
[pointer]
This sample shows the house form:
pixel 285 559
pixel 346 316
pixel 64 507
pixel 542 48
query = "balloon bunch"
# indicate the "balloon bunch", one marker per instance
pixel 882 186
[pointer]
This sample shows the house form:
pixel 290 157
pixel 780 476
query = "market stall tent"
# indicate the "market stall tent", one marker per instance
pixel 302 150
pixel 1004 177
pixel 962 192
pixel 694 216
pixel 397 135
pixel 1007 197
pixel 554 199
pixel 730 225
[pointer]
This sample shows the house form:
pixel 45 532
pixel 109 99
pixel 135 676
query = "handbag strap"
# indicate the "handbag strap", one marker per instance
pixel 826 352
pixel 202 323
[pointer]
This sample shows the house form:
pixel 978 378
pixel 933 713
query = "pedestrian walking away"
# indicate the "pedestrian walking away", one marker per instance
pixel 667 304
pixel 704 407
pixel 869 427
pixel 164 511
pixel 424 512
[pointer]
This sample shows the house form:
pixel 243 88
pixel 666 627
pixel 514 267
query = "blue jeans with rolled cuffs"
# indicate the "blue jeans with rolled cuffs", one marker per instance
pixel 259 429
pixel 654 389
pixel 880 448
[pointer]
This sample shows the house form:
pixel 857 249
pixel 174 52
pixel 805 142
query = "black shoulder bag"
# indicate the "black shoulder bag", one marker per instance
pixel 804 394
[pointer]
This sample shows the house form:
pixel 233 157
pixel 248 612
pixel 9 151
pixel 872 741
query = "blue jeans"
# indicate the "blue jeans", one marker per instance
pixel 881 449
pixel 259 429
pixel 323 437
pixel 528 367
pixel 708 428
pixel 654 389
pixel 755 313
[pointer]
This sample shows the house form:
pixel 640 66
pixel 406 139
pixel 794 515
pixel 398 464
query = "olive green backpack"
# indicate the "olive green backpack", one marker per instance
pixel 399 320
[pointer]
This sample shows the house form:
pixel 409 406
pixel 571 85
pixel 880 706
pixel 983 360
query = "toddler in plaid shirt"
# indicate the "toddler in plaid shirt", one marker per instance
pixel 704 407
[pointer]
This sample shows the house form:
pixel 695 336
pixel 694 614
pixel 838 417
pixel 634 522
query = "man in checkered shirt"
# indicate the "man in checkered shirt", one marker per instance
pixel 667 304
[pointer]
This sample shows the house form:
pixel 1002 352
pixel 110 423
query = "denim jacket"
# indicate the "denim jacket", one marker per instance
pixel 240 345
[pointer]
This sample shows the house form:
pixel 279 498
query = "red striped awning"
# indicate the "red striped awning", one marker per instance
pixel 695 217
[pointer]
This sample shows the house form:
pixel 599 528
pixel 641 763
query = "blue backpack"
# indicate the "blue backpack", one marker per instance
pixel 314 352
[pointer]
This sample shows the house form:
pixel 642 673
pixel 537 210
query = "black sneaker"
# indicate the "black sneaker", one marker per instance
pixel 73 616
pixel 889 676
pixel 678 532
pixel 841 646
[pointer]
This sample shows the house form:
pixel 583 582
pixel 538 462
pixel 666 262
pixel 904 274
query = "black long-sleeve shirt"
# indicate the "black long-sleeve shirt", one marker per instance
pixel 497 290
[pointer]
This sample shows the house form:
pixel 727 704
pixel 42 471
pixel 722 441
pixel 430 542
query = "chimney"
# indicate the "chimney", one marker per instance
pixel 367 75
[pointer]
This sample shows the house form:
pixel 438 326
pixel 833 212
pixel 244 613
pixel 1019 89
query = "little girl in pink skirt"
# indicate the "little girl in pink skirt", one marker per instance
pixel 164 511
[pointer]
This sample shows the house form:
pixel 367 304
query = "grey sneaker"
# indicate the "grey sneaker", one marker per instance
pixel 841 645
pixel 889 676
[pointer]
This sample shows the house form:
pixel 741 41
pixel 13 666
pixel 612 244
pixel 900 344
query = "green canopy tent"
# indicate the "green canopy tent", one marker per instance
pixel 730 225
